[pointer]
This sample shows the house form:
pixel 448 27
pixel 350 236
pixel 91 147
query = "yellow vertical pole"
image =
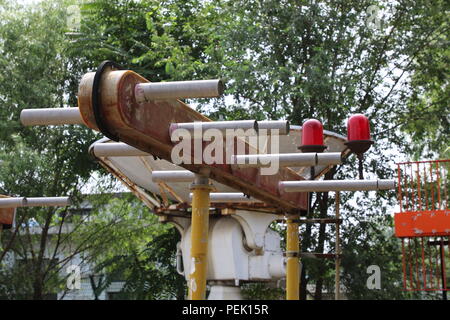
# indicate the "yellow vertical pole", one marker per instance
pixel 292 265
pixel 199 238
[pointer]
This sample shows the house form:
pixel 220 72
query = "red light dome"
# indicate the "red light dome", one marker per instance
pixel 312 133
pixel 358 128
pixel 312 136
pixel 358 136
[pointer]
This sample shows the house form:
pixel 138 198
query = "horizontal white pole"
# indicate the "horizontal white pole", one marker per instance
pixel 286 160
pixel 229 197
pixel 282 126
pixel 12 202
pixel 34 202
pixel 178 90
pixel 48 202
pixel 173 176
pixel 329 158
pixel 117 150
pixel 336 185
pixel 223 126
pixel 51 116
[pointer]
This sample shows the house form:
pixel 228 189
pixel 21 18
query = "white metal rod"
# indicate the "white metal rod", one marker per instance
pixel 117 150
pixel 51 116
pixel 286 160
pixel 12 202
pixel 329 158
pixel 229 197
pixel 178 90
pixel 282 126
pixel 266 160
pixel 34 202
pixel 219 125
pixel 173 176
pixel 48 202
pixel 336 185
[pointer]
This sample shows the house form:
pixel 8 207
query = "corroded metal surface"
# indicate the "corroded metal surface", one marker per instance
pixel 146 126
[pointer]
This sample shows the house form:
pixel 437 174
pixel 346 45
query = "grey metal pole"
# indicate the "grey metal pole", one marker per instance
pixel 173 176
pixel 229 197
pixel 117 150
pixel 223 126
pixel 283 126
pixel 286 159
pixel 51 116
pixel 12 202
pixel 34 202
pixel 178 90
pixel 48 202
pixel 336 185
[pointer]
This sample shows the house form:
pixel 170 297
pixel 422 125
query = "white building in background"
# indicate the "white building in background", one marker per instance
pixel 80 275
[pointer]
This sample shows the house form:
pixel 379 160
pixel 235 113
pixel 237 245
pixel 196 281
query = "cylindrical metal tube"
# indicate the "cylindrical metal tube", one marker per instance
pixel 12 202
pixel 329 159
pixel 335 185
pixel 34 202
pixel 283 126
pixel 51 116
pixel 229 197
pixel 173 176
pixel 117 150
pixel 199 241
pixel 286 160
pixel 266 160
pixel 386 184
pixel 48 202
pixel 292 264
pixel 178 90
pixel 249 126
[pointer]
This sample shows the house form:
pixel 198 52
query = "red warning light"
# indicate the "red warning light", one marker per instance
pixel 358 136
pixel 312 136
pixel 358 128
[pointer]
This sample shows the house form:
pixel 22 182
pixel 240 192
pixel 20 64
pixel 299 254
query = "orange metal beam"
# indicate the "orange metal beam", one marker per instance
pixel 422 224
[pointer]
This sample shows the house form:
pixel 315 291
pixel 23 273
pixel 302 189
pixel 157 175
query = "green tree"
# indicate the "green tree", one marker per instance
pixel 42 70
pixel 323 59
pixel 293 59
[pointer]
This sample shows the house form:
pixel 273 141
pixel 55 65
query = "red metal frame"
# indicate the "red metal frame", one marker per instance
pixel 423 199
pixel 423 224
pixel 424 264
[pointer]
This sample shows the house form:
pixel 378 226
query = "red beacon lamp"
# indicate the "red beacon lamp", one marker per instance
pixel 312 141
pixel 358 138
pixel 312 137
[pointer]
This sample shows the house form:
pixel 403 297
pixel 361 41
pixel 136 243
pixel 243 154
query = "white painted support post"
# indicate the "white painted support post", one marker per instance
pixel 173 176
pixel 282 126
pixel 223 126
pixel 286 160
pixel 117 150
pixel 12 202
pixel 50 116
pixel 34 202
pixel 48 202
pixel 229 197
pixel 178 90
pixel 335 185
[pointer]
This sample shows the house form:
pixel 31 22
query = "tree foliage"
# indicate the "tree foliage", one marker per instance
pixel 291 59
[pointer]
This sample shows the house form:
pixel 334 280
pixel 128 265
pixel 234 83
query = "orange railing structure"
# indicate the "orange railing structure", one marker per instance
pixel 423 224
